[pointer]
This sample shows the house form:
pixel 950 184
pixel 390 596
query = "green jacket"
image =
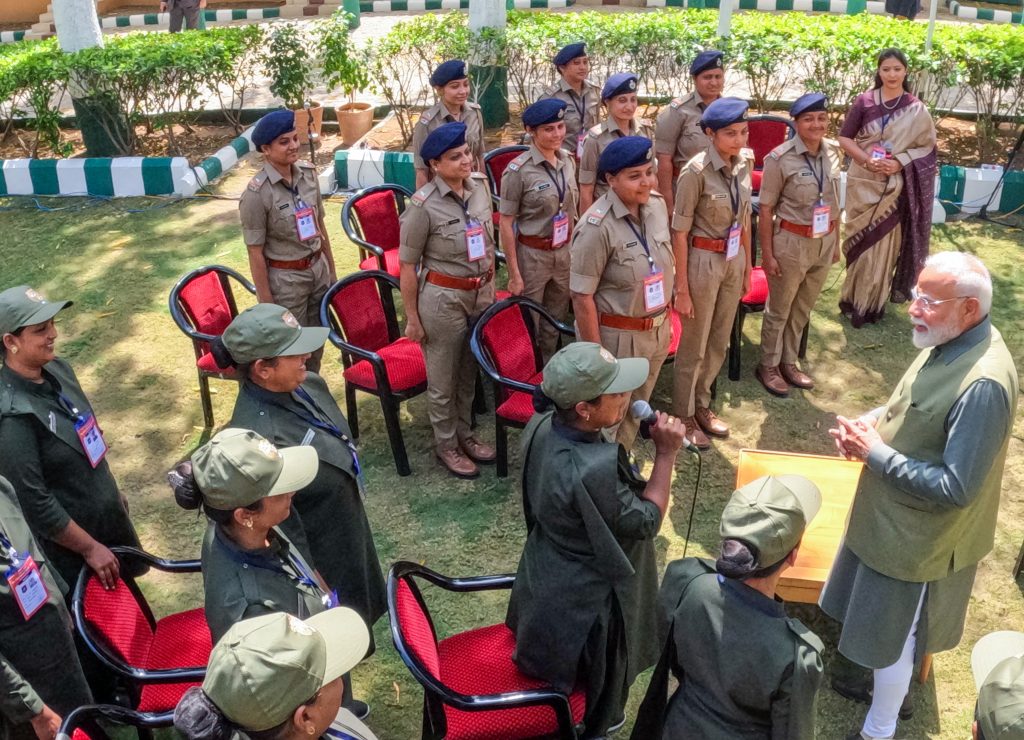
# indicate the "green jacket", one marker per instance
pixel 30 650
pixel 589 553
pixel 44 461
pixel 919 538
pixel 746 671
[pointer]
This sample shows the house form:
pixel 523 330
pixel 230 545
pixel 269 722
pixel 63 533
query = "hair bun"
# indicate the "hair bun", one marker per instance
pixel 221 353
pixel 198 718
pixel 737 560
pixel 186 493
pixel 541 402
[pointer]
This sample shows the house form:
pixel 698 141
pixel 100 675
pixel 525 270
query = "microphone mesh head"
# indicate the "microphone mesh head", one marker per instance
pixel 641 409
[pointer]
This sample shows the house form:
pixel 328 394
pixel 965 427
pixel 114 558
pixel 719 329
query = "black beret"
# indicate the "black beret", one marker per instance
pixel 453 69
pixel 724 112
pixel 441 139
pixel 546 110
pixel 626 151
pixel 570 52
pixel 271 126
pixel 710 59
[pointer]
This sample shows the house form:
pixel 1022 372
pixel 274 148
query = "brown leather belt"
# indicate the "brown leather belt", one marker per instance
pixel 631 323
pixel 804 231
pixel 303 264
pixel 459 283
pixel 539 242
pixel 708 245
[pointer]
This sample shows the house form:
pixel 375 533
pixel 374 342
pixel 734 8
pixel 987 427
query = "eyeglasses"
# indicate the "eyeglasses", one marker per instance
pixel 928 301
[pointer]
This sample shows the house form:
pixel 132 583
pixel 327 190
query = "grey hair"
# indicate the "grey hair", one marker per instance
pixel 971 275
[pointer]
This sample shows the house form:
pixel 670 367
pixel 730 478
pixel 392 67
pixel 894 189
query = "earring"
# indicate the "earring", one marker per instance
pixel 14 350
pixel 586 418
pixel 248 523
pixel 310 730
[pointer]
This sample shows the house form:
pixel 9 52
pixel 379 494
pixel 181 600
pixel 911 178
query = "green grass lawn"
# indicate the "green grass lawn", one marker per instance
pixel 139 371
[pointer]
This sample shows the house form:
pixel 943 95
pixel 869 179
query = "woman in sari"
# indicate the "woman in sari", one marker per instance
pixel 890 136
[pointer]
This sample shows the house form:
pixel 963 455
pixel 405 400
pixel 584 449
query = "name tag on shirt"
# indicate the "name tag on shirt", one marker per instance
pixel 820 224
pixel 92 439
pixel 26 583
pixel 476 249
pixel 559 229
pixel 654 291
pixel 719 196
pixel 732 242
pixel 305 224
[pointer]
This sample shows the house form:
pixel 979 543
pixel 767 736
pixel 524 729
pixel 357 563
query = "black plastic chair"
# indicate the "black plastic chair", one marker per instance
pixel 84 723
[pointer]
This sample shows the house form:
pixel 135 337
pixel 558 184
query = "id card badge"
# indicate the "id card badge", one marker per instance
pixel 654 291
pixel 821 221
pixel 27 585
pixel 331 599
pixel 878 152
pixel 305 223
pixel 476 249
pixel 559 229
pixel 92 439
pixel 732 242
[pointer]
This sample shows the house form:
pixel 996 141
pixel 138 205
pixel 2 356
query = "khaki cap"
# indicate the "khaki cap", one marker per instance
pixel 771 514
pixel 23 306
pixel 265 668
pixel 585 370
pixel 269 330
pixel 239 467
pixel 997 662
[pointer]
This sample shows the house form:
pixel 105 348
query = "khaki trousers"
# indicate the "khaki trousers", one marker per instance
pixel 447 316
pixel 716 286
pixel 652 344
pixel 300 291
pixel 546 281
pixel 805 264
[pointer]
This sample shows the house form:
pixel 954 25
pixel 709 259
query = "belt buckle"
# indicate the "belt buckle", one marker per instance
pixel 657 321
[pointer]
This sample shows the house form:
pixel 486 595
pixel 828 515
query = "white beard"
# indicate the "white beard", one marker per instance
pixel 933 336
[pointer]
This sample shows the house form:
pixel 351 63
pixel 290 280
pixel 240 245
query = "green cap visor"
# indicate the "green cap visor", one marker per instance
pixel 771 514
pixel 583 371
pixel 268 330
pixel 22 306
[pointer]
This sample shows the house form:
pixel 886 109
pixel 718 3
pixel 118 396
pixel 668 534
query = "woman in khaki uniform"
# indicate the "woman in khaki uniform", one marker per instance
pixel 799 232
pixel 581 96
pixel 446 250
pixel 451 84
pixel 711 242
pixel 619 97
pixel 538 213
pixel 622 266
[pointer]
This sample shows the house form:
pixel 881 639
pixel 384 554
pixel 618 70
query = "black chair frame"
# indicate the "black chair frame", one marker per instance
pixel 348 222
pixel 436 694
pixel 350 353
pixel 88 716
pixel 185 324
pixel 486 362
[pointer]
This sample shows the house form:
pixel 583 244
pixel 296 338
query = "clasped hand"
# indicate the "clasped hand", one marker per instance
pixel 854 438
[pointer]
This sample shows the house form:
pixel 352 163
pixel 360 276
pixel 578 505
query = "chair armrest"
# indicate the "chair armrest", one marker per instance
pixel 168 566
pixel 352 349
pixel 404 568
pixel 365 245
pixel 86 716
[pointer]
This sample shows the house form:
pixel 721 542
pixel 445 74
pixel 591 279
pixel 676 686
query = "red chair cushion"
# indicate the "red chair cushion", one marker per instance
pixel 758 293
pixel 677 332
pixel 764 136
pixel 377 215
pixel 755 180
pixel 207 364
pixel 507 339
pixel 496 166
pixel 361 315
pixel 480 662
pixel 206 303
pixel 518 407
pixel 403 363
pixel 391 264
pixel 115 615
pixel 500 295
pixel 80 734
pixel 416 629
pixel 181 641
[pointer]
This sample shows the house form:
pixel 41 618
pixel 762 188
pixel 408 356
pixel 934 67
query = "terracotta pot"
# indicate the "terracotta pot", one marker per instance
pixel 302 124
pixel 354 120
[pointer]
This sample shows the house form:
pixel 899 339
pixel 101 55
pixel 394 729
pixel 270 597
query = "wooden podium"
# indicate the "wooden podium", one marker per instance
pixel 837 479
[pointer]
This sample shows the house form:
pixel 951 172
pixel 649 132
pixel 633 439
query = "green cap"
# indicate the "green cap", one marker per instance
pixel 23 306
pixel 269 330
pixel 239 467
pixel 997 662
pixel 771 514
pixel 585 370
pixel 265 668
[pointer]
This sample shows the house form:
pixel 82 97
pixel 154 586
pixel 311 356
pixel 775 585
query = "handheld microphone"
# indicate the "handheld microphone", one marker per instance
pixel 642 410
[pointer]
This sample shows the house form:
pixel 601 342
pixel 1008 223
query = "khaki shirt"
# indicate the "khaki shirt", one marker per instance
pixel 608 260
pixel 529 191
pixel 581 113
pixel 436 116
pixel 678 130
pixel 267 209
pixel 789 185
pixel 704 195
pixel 433 228
pixel 598 138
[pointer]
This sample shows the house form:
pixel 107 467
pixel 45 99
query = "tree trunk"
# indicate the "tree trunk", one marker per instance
pixel 489 79
pixel 78 26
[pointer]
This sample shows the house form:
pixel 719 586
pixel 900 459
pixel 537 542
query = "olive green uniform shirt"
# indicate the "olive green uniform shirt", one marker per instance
pixel 436 116
pixel 678 132
pixel 267 210
pixel 581 110
pixel 598 139
pixel 44 460
pixel 706 191
pixel 789 182
pixel 530 192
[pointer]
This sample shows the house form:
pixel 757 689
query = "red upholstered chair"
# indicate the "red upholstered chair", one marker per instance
pixel 504 344
pixel 156 659
pixel 202 304
pixel 472 689
pixel 360 312
pixel 495 162
pixel 766 133
pixel 370 221
pixel 88 722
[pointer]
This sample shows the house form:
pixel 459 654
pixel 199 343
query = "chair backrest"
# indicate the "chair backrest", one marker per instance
pixel 360 315
pixel 118 620
pixel 766 133
pixel 509 343
pixel 203 302
pixel 415 626
pixel 495 163
pixel 376 215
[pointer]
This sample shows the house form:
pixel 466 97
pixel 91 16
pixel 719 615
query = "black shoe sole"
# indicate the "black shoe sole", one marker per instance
pixel 862 695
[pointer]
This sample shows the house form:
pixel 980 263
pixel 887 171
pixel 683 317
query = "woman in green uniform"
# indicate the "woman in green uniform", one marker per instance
pixel 276 677
pixel 245 486
pixel 538 212
pixel 451 85
pixel 622 269
pixel 619 98
pixel 589 554
pixel 281 401
pixel 446 251
pixel 746 671
pixel 54 453
pixel 41 679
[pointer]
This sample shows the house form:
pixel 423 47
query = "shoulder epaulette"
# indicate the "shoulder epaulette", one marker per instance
pixel 257 182
pixel 747 153
pixel 306 165
pixel 478 175
pixel 596 214
pixel 782 148
pixel 698 162
pixel 471 104
pixel 427 115
pixel 421 195
pixel 799 629
pixel 676 102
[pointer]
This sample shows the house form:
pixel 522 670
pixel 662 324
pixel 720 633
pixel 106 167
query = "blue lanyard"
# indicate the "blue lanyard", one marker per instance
pixel 338 734
pixel 464 205
pixel 643 243
pixel 734 197
pixel 560 188
pixel 580 107
pixel 818 178
pixel 302 574
pixel 70 407
pixel 9 551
